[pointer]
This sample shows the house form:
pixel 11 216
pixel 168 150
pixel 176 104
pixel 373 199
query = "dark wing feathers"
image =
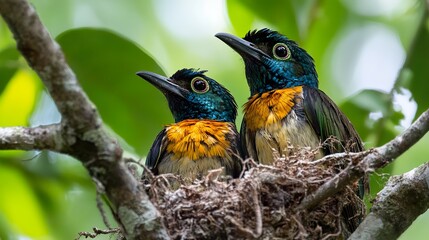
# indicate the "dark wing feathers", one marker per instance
pixel 327 120
pixel 156 152
pixel 248 146
pixel 237 153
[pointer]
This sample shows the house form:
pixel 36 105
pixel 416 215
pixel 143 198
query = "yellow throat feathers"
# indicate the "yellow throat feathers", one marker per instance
pixel 196 139
pixel 270 107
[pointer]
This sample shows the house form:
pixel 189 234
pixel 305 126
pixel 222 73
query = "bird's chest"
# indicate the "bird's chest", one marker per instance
pixel 276 125
pixel 193 147
pixel 195 139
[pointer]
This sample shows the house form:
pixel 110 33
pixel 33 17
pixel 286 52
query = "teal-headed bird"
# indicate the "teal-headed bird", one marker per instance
pixel 204 135
pixel 286 108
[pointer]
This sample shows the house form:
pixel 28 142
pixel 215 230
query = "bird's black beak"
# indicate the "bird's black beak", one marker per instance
pixel 163 83
pixel 245 48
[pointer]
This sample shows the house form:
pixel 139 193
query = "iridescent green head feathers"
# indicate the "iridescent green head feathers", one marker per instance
pixel 272 61
pixel 193 95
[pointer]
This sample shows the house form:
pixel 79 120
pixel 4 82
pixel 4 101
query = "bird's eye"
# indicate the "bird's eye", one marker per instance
pixel 281 51
pixel 199 85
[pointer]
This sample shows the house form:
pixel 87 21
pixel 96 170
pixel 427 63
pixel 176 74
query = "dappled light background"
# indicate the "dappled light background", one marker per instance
pixel 359 48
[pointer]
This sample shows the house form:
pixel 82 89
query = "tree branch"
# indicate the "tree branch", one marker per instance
pixel 409 191
pixel 81 133
pixel 39 138
pixel 372 159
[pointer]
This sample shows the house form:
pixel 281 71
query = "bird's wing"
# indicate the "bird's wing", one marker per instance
pixel 247 138
pixel 327 120
pixel 156 152
pixel 237 152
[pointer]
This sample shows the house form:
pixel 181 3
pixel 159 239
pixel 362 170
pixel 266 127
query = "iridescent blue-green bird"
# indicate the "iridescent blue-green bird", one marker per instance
pixel 204 135
pixel 286 108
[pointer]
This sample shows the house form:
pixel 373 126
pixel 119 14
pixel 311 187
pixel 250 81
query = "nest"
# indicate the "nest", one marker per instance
pixel 263 204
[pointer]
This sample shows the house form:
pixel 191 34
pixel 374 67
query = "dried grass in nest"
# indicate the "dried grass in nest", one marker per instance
pixel 260 205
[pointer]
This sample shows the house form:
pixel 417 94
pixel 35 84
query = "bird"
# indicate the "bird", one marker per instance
pixel 204 136
pixel 286 107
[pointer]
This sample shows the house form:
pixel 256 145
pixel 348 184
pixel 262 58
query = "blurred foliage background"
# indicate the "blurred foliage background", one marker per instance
pixel 359 48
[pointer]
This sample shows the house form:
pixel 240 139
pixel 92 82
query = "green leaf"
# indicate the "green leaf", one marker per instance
pixel 8 65
pixel 280 14
pixel 6 38
pixel 5 229
pixel 415 74
pixel 358 108
pixel 373 100
pixel 20 201
pixel 240 16
pixel 325 21
pixel 19 98
pixel 131 18
pixel 105 65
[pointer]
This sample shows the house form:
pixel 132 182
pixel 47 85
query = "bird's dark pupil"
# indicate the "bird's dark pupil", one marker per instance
pixel 200 85
pixel 281 51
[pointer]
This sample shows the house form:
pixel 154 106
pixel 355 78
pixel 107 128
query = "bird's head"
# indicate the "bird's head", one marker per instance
pixel 272 61
pixel 193 95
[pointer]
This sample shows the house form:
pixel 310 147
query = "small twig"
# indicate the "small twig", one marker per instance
pixel 302 230
pixel 258 212
pixel 212 176
pixel 131 160
pixel 96 232
pixel 36 155
pixel 333 235
pixel 147 172
pixel 246 231
pixel 247 163
pixel 100 205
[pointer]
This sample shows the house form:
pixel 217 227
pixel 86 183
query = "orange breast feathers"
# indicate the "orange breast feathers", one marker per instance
pixel 196 139
pixel 270 107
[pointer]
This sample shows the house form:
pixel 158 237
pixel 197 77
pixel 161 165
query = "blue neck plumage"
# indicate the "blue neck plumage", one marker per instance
pixel 272 75
pixel 183 110
pixel 216 116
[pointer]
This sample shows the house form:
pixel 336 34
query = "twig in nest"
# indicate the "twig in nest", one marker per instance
pixel 302 231
pixel 242 229
pixel 148 173
pixel 332 235
pixel 258 213
pixel 339 227
pixel 213 175
pixel 247 163
pixel 134 170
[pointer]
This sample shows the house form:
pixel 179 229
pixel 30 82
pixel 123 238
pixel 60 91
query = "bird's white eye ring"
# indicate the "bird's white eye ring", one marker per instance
pixel 281 51
pixel 199 85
